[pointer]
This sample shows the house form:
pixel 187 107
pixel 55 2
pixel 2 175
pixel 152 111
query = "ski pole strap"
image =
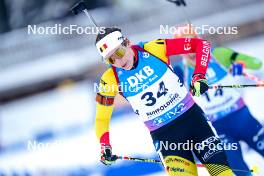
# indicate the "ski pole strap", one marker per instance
pixel 235 86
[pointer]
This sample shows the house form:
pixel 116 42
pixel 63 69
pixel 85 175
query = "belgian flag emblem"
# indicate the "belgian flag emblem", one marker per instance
pixel 103 48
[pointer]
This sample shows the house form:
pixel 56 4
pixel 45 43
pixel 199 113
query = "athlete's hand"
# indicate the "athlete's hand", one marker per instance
pixel 106 155
pixel 237 68
pixel 199 85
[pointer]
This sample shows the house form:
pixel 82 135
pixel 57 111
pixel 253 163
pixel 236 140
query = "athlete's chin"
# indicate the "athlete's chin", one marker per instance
pixel 127 68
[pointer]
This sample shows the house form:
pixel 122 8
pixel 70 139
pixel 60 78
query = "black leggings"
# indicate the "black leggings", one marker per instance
pixel 190 134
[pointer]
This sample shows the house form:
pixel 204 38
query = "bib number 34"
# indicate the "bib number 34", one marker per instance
pixel 149 96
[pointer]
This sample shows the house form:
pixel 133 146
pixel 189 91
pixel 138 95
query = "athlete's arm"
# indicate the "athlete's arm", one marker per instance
pixel 226 57
pixel 104 107
pixel 190 45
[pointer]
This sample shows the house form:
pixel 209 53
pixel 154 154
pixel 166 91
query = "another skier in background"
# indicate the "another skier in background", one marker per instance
pixel 225 108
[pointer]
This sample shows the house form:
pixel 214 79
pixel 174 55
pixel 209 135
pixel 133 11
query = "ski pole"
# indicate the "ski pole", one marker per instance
pixel 253 170
pixel 81 7
pixel 146 160
pixel 253 78
pixel 139 159
pixel 182 4
pixel 235 86
pixel 249 76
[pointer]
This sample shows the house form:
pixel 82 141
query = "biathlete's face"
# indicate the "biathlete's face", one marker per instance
pixel 122 57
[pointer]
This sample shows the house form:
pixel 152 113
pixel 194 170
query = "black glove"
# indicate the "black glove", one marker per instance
pixel 199 85
pixel 106 155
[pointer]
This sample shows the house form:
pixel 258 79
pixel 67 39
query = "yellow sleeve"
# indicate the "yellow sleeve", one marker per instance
pixel 158 49
pixel 108 88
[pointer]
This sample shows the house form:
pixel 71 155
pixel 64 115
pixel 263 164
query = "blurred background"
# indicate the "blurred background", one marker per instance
pixel 47 105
